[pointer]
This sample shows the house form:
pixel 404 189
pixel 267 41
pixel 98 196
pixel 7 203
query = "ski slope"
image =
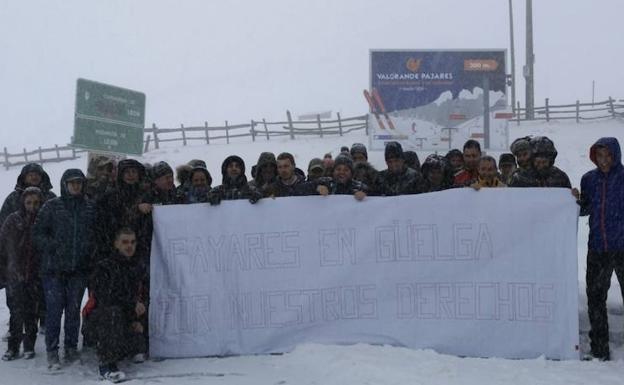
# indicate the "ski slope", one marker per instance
pixel 358 364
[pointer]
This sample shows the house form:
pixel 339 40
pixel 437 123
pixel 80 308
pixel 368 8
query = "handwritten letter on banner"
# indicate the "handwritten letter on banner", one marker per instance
pixel 487 274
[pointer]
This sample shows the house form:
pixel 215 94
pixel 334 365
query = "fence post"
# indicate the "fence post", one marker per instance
pixel 547 111
pixel 227 132
pixel 366 124
pixel 6 158
pixel 290 125
pixel 266 129
pixel 578 108
pixel 40 155
pixel 183 135
pixel 339 124
pixel 156 144
pixel 25 156
pixel 73 153
pixel 320 126
pixel 611 106
pixel 207 132
pixel 58 153
pixel 147 142
pixel 253 132
pixel 518 114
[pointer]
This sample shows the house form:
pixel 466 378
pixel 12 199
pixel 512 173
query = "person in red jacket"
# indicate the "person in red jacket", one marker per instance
pixel 470 172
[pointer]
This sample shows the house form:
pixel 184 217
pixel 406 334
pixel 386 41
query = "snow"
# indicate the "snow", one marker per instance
pixel 358 364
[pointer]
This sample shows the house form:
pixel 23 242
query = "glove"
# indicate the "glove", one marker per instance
pixel 255 196
pixel 214 198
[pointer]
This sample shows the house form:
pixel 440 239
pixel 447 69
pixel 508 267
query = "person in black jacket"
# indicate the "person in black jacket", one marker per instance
pixel 234 184
pixel 287 181
pixel 32 174
pixel 342 182
pixel 120 308
pixel 23 286
pixel 63 235
pixel 398 179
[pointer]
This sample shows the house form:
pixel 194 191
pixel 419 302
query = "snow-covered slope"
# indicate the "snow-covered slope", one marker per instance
pixel 359 364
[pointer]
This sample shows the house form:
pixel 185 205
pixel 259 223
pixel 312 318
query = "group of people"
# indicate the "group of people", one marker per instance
pixel 97 234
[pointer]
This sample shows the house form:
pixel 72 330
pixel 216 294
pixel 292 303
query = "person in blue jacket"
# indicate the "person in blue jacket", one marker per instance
pixel 602 198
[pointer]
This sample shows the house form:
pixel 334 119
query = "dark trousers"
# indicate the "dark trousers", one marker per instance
pixel 63 294
pixel 600 267
pixel 23 303
pixel 115 340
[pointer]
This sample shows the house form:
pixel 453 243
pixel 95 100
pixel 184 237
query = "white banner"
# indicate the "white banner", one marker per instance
pixel 491 273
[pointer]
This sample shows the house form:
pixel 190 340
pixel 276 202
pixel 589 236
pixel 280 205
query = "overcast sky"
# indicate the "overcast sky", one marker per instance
pixel 200 60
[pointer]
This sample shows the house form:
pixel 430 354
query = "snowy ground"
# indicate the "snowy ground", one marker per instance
pixel 359 364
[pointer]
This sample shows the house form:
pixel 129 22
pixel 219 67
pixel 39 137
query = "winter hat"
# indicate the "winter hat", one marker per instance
pixel 344 159
pixel 394 151
pixel 411 160
pixel 344 149
pixel 520 144
pixel 359 148
pixel 161 169
pixel 543 146
pixel 316 163
pixel 197 163
pixel 507 158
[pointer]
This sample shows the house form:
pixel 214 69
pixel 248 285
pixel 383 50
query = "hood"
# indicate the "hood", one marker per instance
pixel 227 161
pixel 265 159
pixel 129 163
pixel 71 174
pixel 45 184
pixel 29 191
pixel 202 170
pixel 99 162
pixel 614 148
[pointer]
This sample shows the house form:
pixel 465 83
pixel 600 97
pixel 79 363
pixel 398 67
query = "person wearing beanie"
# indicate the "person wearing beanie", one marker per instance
pixel 163 190
pixel 469 173
pixel 64 237
pixel 316 169
pixel 398 179
pixel 437 173
pixel 344 150
pixel 21 277
pixel 359 153
pixel 341 183
pixel 506 166
pixel 234 183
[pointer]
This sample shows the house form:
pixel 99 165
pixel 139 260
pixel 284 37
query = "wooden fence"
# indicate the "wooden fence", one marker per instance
pixel 255 129
pixel 609 108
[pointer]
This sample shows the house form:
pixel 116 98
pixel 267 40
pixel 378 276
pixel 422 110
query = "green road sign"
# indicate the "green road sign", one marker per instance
pixel 108 118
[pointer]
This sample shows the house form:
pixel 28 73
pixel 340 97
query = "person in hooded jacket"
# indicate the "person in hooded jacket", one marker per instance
pixel 23 285
pixel 32 174
pixel 602 198
pixel 201 182
pixel 265 172
pixel 64 237
pixel 234 183
pixel 437 173
pixel 398 179
pixel 543 172
pixel 119 207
